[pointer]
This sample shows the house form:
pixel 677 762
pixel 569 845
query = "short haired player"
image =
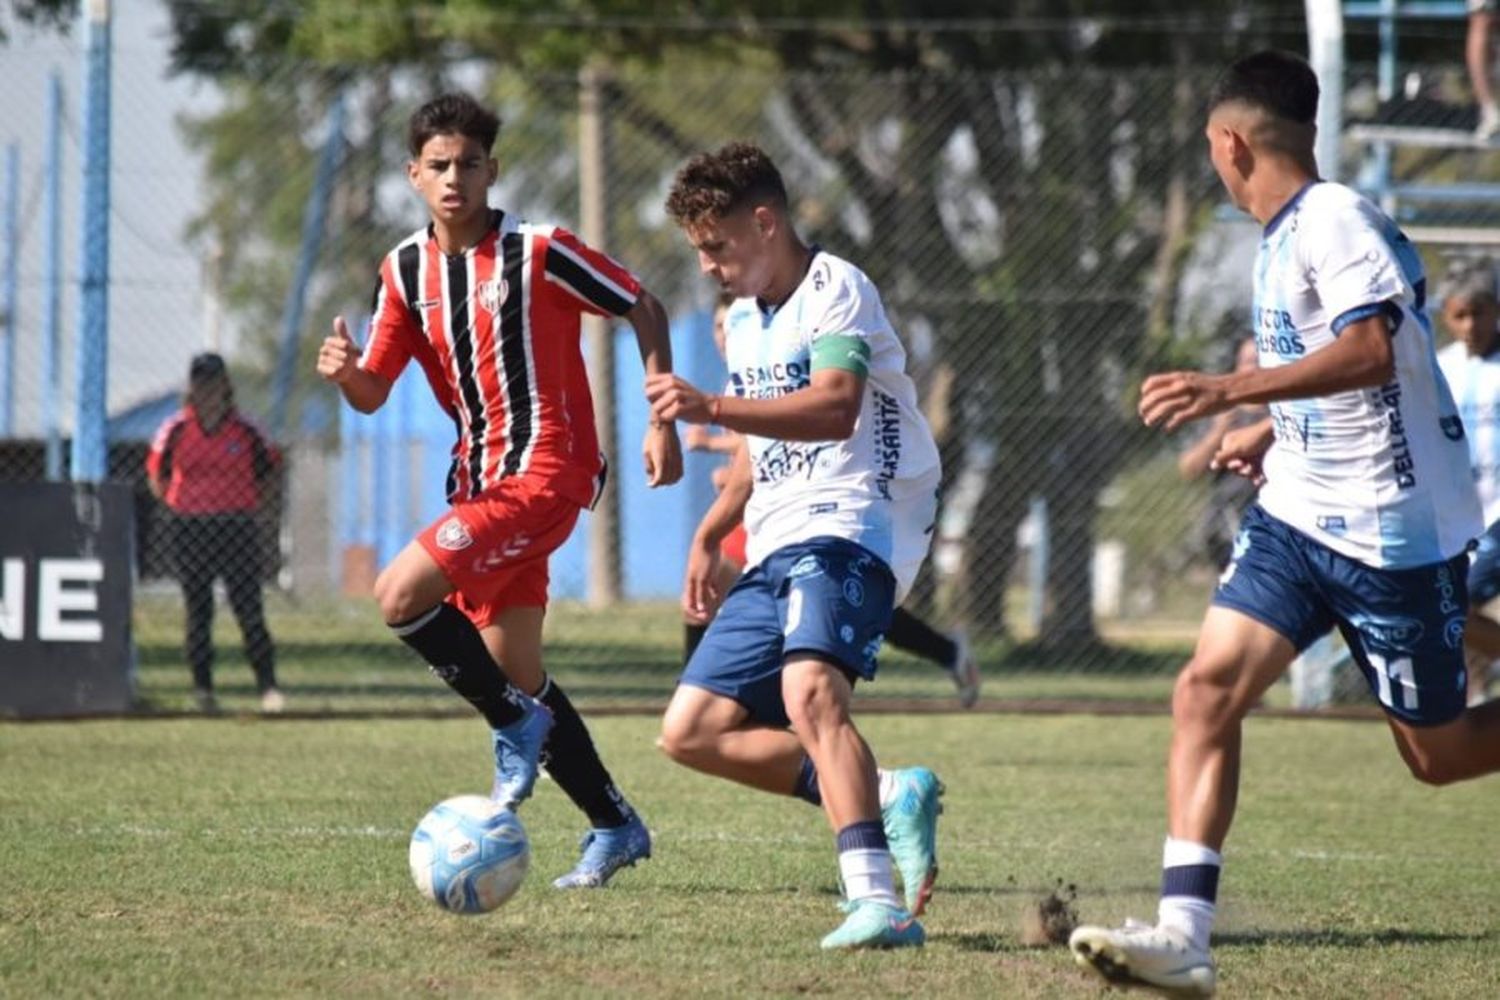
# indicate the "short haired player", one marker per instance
pixel 1363 523
pixel 489 306
pixel 837 486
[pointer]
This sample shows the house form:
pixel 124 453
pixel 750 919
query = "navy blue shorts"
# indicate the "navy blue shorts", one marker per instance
pixel 825 596
pixel 1405 627
pixel 1484 567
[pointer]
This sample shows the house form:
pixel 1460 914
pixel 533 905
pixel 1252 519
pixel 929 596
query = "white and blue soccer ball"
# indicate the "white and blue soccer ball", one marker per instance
pixel 469 854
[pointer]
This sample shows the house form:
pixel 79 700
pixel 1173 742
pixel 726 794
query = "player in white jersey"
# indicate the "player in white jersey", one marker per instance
pixel 1363 521
pixel 838 490
pixel 1471 364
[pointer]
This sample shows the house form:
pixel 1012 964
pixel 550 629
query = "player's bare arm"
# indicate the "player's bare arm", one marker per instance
pixel 338 362
pixel 825 410
pixel 699 591
pixel 661 451
pixel 1361 357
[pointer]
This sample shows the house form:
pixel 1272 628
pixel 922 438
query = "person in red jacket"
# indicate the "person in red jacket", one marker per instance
pixel 213 469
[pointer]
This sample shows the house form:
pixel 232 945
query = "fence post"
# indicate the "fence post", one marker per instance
pixel 604 571
pixel 89 460
pixel 1037 564
pixel 8 304
pixel 307 262
pixel 52 282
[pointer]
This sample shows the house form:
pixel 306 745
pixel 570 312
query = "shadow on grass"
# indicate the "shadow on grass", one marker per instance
pixel 1332 938
pixel 1312 938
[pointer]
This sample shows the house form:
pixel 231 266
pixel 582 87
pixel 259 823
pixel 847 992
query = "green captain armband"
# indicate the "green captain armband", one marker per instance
pixel 841 350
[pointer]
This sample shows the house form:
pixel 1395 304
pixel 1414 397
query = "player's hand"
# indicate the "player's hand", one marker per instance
pixel 697 438
pixel 1242 452
pixel 673 397
pixel 662 454
pixel 1172 399
pixel 338 358
pixel 700 595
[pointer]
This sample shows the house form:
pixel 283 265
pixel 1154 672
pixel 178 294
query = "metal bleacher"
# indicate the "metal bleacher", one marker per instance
pixel 1431 209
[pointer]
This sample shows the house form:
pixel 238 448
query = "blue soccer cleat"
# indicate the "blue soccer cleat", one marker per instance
pixel 606 851
pixel 876 925
pixel 910 821
pixel 518 752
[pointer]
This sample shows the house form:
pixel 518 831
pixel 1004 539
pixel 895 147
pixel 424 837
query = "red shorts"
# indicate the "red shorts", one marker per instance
pixel 494 548
pixel 733 545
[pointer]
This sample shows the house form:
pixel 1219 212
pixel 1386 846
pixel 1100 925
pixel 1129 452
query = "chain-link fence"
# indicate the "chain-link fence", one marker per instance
pixel 1042 239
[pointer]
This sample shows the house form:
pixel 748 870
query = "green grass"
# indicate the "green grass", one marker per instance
pixel 245 857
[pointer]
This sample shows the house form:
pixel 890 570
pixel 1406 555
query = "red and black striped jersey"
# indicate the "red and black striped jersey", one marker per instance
pixel 496 330
pixel 203 471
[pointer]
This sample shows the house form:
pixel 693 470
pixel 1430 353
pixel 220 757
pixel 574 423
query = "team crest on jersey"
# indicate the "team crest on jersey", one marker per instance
pixel 492 294
pixel 453 535
pixel 1453 633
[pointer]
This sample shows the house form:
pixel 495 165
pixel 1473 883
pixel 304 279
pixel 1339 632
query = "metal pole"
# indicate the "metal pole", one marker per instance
pixel 307 261
pixel 1039 564
pixel 90 457
pixel 8 303
pixel 1325 50
pixel 604 571
pixel 52 283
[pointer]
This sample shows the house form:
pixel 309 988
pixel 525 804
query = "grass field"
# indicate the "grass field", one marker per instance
pixel 237 856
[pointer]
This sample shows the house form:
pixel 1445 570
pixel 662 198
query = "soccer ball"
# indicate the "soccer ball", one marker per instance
pixel 469 854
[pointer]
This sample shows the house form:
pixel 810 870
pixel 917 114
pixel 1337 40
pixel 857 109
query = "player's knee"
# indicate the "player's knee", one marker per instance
pixel 812 706
pixel 1432 768
pixel 396 598
pixel 682 738
pixel 1204 695
pixel 1433 771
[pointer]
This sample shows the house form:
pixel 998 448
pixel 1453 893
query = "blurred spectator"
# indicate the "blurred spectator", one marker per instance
pixel 1471 364
pixel 1477 54
pixel 1230 493
pixel 214 469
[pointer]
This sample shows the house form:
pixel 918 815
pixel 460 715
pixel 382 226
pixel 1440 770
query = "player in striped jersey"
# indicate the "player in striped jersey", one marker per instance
pixel 490 307
pixel 1471 364
pixel 1363 521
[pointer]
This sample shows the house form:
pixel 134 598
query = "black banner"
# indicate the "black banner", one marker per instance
pixel 65 598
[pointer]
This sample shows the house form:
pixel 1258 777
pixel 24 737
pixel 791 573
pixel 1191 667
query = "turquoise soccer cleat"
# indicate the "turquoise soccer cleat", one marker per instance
pixel 518 753
pixel 606 851
pixel 910 821
pixel 876 925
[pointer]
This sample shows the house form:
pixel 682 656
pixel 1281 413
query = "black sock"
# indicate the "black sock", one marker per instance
pixel 454 651
pixel 912 634
pixel 692 635
pixel 571 759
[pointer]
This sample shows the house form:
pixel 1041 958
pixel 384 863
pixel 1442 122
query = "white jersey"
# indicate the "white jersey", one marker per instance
pixel 1380 475
pixel 1475 385
pixel 879 487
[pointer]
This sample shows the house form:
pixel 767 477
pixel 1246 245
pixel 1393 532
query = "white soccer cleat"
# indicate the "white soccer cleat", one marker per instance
pixel 1489 123
pixel 965 670
pixel 1145 956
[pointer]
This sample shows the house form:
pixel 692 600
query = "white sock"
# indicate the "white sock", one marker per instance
pixel 867 875
pixel 1192 915
pixel 888 786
